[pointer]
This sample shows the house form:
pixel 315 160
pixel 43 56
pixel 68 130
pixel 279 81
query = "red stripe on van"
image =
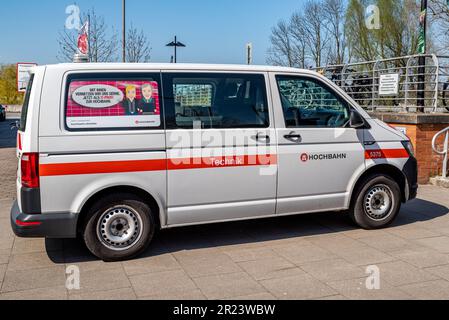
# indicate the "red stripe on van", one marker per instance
pixel 386 154
pixel 19 141
pixel 65 169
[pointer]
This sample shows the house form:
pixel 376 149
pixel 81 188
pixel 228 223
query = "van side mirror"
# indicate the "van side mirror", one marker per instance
pixel 356 120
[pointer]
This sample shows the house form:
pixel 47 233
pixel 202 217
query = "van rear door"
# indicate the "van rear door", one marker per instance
pixel 28 191
pixel 104 130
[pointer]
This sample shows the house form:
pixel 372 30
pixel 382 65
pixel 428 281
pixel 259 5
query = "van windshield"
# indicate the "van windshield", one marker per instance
pixel 26 101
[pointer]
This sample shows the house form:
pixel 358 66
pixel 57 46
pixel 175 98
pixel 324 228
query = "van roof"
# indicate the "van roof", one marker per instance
pixel 173 66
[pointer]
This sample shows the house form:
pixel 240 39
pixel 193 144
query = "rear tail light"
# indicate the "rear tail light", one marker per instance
pixel 27 224
pixel 29 165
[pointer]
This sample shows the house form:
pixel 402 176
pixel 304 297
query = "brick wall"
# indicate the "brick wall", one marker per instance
pixel 429 163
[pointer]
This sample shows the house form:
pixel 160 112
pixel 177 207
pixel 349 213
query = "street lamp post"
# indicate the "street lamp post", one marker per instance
pixel 422 48
pixel 175 44
pixel 124 30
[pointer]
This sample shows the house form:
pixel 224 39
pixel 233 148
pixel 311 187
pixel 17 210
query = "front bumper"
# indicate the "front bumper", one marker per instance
pixel 411 173
pixel 54 225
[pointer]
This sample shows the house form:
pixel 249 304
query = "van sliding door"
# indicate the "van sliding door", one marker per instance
pixel 220 147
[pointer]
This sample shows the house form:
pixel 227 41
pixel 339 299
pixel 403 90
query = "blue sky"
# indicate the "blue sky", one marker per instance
pixel 215 31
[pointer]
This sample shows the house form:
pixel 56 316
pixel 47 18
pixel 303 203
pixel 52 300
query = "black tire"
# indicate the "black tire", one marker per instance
pixel 376 194
pixel 119 211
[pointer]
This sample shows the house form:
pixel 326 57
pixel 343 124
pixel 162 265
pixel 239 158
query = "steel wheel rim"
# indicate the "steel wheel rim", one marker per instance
pixel 119 228
pixel 379 202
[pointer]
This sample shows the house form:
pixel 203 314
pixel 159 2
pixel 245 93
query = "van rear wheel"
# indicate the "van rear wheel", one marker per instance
pixel 376 203
pixel 119 227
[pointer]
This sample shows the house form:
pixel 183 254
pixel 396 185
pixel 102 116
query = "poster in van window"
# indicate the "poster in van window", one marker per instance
pixel 113 104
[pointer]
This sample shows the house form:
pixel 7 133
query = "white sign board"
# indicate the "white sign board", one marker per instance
pixel 23 75
pixel 389 84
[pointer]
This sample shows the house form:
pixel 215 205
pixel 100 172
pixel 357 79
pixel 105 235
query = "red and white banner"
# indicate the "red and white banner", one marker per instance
pixel 83 39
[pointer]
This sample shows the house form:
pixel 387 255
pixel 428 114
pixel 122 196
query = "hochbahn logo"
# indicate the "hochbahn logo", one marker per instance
pixel 323 156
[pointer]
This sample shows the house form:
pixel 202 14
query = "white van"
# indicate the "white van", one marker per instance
pixel 113 152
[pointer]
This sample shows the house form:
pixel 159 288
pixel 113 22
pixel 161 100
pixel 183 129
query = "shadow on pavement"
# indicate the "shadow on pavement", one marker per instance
pixel 253 231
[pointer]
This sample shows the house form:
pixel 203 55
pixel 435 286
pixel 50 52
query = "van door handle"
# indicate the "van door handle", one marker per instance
pixel 262 138
pixel 293 137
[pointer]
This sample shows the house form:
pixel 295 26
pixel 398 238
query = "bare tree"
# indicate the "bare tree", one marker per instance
pixel 103 44
pixel 334 12
pixel 315 32
pixel 304 39
pixel 297 30
pixel 335 32
pixel 439 19
pixel 281 50
pixel 137 46
pixel 439 11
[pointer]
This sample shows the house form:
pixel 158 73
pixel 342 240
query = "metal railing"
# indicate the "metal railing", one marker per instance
pixel 364 82
pixel 445 150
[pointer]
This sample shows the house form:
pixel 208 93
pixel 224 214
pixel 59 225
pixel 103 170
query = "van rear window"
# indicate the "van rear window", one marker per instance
pixel 107 102
pixel 26 102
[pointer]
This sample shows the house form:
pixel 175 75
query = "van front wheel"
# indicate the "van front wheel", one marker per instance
pixel 119 227
pixel 376 203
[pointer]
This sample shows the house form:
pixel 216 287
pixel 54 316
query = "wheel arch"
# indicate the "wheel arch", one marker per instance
pixel 387 169
pixel 144 195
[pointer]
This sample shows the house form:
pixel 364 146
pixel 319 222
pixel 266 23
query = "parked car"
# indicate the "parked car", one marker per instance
pixel 2 113
pixel 123 150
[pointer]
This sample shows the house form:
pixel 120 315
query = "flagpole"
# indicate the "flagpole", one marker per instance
pixel 421 94
pixel 124 31
pixel 88 37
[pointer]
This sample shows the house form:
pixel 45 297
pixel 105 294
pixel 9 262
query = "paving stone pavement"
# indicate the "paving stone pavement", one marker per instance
pixel 320 256
pixel 8 170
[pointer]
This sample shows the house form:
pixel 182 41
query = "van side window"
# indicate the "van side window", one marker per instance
pixel 215 101
pixel 26 104
pixel 105 101
pixel 307 102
